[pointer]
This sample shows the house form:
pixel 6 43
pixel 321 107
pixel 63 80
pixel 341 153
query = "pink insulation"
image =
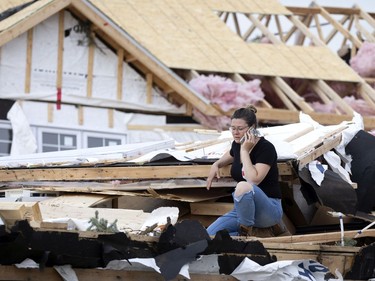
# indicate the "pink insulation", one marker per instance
pixel 227 94
pixel 359 105
pixel 364 61
pixel 323 108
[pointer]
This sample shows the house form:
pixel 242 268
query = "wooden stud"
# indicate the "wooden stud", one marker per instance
pixel 90 67
pixel 50 110
pixel 60 50
pixel 120 70
pixel 111 120
pixel 80 115
pixel 29 55
pixel 149 82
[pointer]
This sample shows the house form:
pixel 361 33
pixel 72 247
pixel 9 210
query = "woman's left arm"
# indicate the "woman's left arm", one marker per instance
pixel 253 173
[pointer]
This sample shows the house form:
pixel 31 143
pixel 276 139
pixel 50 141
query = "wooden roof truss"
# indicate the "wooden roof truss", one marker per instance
pixel 317 26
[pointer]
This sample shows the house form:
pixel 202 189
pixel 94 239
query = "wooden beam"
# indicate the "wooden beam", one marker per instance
pixel 60 51
pixel 367 34
pixel 264 30
pixel 111 120
pixel 303 28
pixel 326 145
pixel 279 28
pixel 289 105
pixel 301 36
pixel 29 56
pixel 109 173
pixel 31 19
pixel 80 115
pixel 236 24
pixel 339 27
pixel 120 70
pixel 316 238
pixel 366 16
pixel 90 66
pixel 323 86
pixel 158 69
pixel 251 29
pixel 349 28
pixel 149 83
pixel 318 27
pixel 297 99
pixel 334 31
pixel 50 110
pixel 316 10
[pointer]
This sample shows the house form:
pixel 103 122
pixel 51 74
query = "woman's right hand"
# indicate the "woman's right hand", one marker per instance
pixel 214 172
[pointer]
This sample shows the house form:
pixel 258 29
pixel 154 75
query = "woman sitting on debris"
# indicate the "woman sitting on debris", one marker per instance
pixel 257 196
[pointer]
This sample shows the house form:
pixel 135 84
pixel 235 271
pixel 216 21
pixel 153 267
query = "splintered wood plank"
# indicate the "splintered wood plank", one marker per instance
pixel 128 220
pixel 10 212
pixel 109 173
pixel 81 200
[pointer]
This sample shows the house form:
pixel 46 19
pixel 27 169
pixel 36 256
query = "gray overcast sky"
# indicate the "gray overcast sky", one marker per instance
pixel 367 5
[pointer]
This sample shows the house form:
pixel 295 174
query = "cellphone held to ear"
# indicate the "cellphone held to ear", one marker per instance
pixel 252 131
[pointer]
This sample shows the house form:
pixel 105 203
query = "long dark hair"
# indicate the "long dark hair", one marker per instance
pixel 247 114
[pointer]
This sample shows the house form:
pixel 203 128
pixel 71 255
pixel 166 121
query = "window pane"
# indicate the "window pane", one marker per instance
pixel 50 138
pixel 68 140
pixel 5 134
pixel 5 148
pixel 49 148
pixel 94 142
pixel 109 142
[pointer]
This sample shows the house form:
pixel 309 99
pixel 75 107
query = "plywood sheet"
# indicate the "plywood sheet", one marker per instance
pixel 127 220
pixel 249 6
pixel 9 4
pixel 21 15
pixel 189 35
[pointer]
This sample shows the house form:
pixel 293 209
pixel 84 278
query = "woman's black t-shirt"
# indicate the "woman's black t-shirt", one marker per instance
pixel 263 152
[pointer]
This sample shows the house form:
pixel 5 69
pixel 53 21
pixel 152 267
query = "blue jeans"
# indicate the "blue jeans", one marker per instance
pixel 253 208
